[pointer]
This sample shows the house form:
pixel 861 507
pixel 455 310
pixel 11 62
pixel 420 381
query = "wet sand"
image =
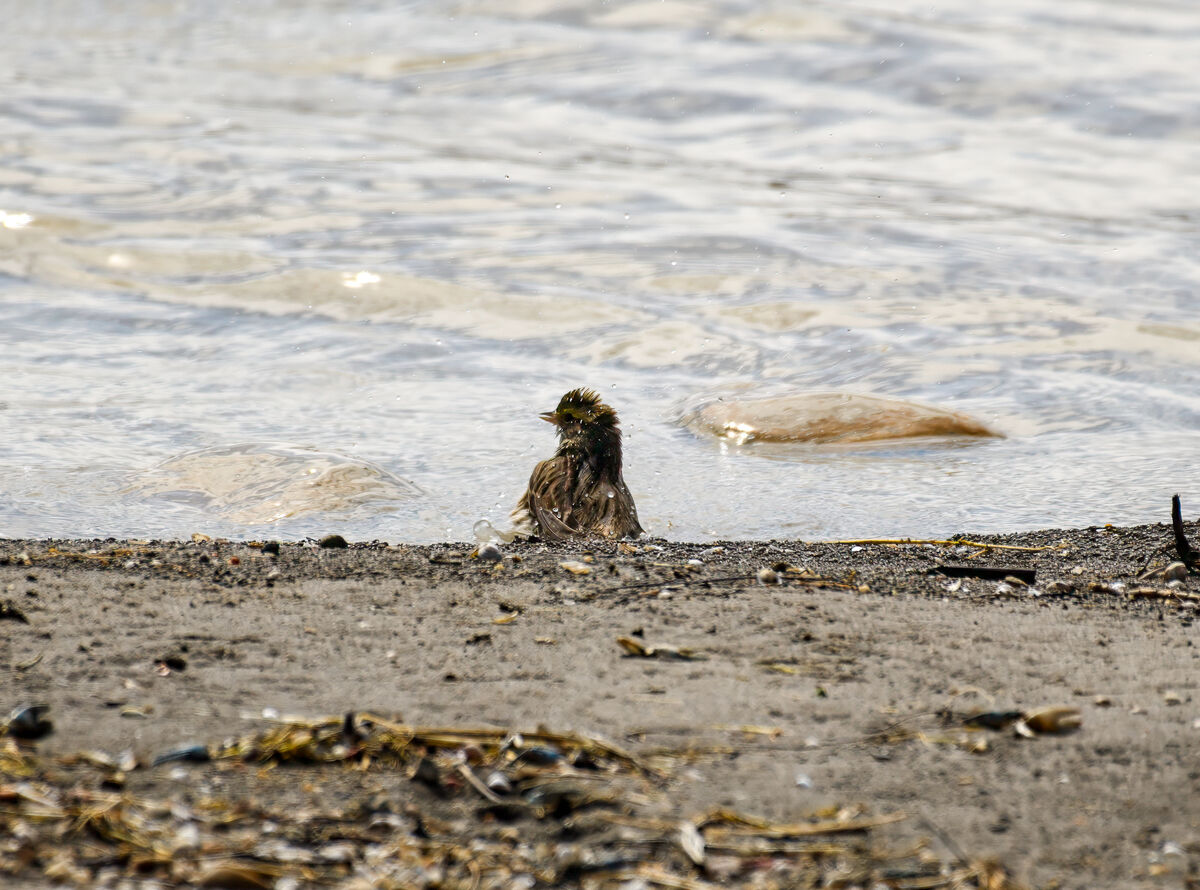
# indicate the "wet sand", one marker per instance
pixel 853 668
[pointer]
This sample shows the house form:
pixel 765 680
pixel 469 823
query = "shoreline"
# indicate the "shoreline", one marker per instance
pixel 803 678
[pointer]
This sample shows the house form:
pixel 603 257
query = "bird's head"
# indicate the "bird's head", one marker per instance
pixel 586 424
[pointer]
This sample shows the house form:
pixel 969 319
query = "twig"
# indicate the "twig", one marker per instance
pixel 26 665
pixel 1190 557
pixel 473 780
pixel 806 829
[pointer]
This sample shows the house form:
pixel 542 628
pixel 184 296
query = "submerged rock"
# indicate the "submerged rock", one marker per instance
pixel 829 417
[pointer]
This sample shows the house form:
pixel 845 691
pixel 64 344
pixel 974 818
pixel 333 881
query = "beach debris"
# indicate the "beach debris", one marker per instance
pixel 126 761
pixel 192 753
pixel 589 814
pixel 780 666
pixel 175 663
pixel 9 612
pixel 27 722
pixel 1171 592
pixel 767 575
pixel 575 567
pixel 237 876
pixel 1175 571
pixel 993 719
pixel 26 665
pixel 691 842
pixel 488 553
pixel 271 548
pixel 1022 576
pixel 333 542
pixel 1049 720
pixel 637 649
pixel 1189 556
pixel 1028 723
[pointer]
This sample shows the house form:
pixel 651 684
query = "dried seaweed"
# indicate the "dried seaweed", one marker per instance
pixel 589 813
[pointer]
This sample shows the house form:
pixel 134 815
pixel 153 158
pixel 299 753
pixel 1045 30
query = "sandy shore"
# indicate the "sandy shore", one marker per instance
pixel 842 682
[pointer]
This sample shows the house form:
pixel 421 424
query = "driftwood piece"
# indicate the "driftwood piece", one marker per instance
pixel 1187 554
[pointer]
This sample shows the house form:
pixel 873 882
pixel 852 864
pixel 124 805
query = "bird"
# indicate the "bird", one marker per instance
pixel 580 492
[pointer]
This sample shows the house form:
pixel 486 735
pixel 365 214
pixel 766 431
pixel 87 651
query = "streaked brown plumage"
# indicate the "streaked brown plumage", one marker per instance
pixel 580 492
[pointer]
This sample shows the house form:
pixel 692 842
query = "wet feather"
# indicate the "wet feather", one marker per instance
pixel 580 492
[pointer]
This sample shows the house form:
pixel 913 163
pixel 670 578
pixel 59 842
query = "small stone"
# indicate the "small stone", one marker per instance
pixel 498 783
pixel 271 548
pixel 9 612
pixel 767 576
pixel 489 553
pixel 1172 698
pixel 1176 571
pixel 333 542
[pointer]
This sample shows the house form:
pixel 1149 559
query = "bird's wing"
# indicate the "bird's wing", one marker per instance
pixel 613 512
pixel 549 501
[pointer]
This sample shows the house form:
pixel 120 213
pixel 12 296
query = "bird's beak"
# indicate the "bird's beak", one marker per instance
pixel 549 417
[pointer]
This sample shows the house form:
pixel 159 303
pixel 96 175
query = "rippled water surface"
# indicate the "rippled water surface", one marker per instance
pixel 277 269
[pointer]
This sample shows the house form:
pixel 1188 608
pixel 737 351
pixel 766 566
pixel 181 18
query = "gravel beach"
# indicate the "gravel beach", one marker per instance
pixel 774 679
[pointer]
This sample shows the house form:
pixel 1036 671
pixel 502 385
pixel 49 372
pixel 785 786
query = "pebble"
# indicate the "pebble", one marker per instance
pixel 1176 571
pixel 767 576
pixel 333 542
pixel 489 552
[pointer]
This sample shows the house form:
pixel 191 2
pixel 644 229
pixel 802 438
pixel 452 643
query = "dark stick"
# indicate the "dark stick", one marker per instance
pixel 1189 556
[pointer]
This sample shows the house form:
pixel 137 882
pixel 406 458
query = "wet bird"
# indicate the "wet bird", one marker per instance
pixel 580 492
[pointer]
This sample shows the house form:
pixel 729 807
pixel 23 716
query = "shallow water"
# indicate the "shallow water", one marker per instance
pixel 317 268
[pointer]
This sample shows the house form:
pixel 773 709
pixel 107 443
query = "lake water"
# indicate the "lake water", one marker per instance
pixel 278 269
